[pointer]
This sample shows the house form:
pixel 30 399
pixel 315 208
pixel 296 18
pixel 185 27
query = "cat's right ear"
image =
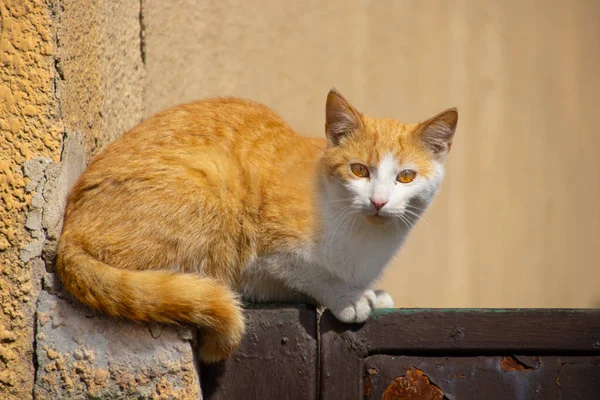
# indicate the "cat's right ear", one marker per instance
pixel 341 119
pixel 437 132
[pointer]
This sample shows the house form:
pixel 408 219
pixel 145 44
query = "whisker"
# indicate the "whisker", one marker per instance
pixel 406 222
pixel 341 217
pixel 353 221
pixel 414 208
pixel 345 223
pixel 418 216
pixel 336 201
pixel 340 228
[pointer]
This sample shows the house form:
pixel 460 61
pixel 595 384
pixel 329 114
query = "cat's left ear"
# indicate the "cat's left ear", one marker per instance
pixel 341 119
pixel 437 132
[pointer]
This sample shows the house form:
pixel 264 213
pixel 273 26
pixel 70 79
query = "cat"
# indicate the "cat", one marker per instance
pixel 217 200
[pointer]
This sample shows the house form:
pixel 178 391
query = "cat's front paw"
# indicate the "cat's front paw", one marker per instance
pixel 355 306
pixel 384 300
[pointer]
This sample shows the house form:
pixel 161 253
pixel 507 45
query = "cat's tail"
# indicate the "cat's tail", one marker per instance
pixel 161 296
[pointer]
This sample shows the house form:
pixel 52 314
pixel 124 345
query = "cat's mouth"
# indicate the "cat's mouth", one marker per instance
pixel 376 219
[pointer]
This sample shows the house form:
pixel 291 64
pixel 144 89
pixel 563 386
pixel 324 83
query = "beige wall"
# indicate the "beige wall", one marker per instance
pixel 517 222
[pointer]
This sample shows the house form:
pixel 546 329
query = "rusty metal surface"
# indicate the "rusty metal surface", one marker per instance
pixel 482 377
pixel 413 354
pixel 277 358
pixel 470 339
pixel 414 385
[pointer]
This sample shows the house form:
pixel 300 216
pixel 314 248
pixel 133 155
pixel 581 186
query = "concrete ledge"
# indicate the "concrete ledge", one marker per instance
pixel 84 355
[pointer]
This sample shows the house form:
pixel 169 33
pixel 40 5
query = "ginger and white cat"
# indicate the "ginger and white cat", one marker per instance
pixel 219 198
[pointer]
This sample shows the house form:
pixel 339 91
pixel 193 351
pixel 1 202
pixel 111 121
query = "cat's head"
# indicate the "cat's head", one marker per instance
pixel 382 168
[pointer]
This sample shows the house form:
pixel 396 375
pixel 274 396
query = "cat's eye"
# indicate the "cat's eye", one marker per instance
pixel 359 170
pixel 407 176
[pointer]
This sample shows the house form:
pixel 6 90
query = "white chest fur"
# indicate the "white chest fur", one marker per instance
pixel 358 254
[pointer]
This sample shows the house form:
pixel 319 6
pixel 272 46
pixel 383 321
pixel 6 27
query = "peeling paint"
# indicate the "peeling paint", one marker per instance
pixel 508 364
pixel 414 385
pixel 368 385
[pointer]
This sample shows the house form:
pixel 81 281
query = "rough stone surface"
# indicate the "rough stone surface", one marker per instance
pixel 34 171
pixel 84 355
pixel 29 128
pixel 69 70
pixel 59 180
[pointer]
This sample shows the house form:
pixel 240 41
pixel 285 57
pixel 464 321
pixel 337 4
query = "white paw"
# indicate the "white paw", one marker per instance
pixel 354 306
pixel 384 300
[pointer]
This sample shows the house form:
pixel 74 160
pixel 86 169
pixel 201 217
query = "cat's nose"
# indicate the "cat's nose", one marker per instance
pixel 378 203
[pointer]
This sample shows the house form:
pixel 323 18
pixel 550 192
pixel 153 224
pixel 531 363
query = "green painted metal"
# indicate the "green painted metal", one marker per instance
pixel 380 312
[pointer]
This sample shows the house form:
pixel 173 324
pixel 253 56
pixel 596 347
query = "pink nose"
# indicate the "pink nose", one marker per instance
pixel 378 204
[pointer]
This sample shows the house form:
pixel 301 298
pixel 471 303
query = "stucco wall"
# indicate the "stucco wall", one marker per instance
pixel 30 127
pixel 70 82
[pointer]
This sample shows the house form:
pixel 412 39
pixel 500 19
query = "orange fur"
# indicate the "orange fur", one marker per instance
pixel 162 223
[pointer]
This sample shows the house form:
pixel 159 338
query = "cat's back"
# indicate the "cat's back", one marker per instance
pixel 203 133
pixel 221 121
pixel 223 117
pixel 227 146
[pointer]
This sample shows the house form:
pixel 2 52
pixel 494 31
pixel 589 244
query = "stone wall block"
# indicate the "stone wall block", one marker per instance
pixel 82 354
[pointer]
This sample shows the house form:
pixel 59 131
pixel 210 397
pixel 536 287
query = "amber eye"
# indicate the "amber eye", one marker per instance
pixel 359 170
pixel 406 176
